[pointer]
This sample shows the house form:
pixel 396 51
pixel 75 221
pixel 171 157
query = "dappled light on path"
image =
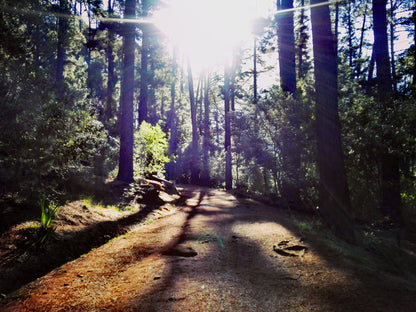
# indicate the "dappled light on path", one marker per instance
pixel 216 253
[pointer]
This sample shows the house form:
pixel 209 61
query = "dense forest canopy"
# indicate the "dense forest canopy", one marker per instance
pixel 309 103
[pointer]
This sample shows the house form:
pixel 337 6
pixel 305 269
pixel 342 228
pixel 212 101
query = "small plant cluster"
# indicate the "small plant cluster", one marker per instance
pixel 46 229
pixel 89 203
pixel 151 150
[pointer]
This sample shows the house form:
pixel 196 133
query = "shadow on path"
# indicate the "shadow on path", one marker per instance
pixel 18 269
pixel 246 275
pixel 215 254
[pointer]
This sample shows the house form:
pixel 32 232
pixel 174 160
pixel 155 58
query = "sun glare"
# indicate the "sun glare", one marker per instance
pixel 207 31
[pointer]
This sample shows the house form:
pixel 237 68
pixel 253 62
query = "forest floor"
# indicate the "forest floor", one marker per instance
pixel 212 252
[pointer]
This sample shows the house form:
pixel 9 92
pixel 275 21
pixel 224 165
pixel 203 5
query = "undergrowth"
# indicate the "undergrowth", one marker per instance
pixel 89 203
pixel 46 229
pixel 379 249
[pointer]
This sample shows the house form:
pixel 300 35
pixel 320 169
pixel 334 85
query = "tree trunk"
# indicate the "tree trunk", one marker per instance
pixel 333 188
pixel 61 48
pixel 390 176
pixel 336 27
pixel 371 73
pixel 194 160
pixel 287 65
pixel 255 73
pixel 152 114
pixel 143 97
pixel 360 47
pixel 302 42
pixel 414 44
pixel 232 82
pixel 393 63
pixel 171 168
pixel 125 171
pixel 111 79
pixel 200 101
pixel 266 182
pixel 90 38
pixel 286 43
pixel 350 35
pixel 227 128
pixel 206 132
pixel 255 99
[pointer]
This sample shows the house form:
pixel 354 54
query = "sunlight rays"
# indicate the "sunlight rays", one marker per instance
pixel 206 31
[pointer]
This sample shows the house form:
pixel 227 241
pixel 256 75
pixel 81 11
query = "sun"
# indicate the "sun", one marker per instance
pixel 207 31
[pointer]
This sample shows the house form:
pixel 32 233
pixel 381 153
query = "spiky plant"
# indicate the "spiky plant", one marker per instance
pixel 48 212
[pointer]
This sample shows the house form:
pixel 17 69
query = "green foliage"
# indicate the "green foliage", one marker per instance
pixel 86 138
pixel 48 212
pixel 45 142
pixel 303 226
pixel 89 203
pixel 408 197
pixel 150 151
pixel 50 146
pixel 362 146
pixel 258 145
pixel 56 145
pixel 365 136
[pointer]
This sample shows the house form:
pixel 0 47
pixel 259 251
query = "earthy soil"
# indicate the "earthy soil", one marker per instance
pixel 216 253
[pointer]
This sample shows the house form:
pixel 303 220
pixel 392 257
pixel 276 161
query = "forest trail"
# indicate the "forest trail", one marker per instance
pixel 215 253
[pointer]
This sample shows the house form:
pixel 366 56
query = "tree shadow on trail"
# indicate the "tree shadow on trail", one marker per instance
pixel 242 269
pixel 352 279
pixel 233 260
pixel 23 266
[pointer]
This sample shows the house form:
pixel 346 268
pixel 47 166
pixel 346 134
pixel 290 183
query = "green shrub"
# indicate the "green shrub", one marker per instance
pixel 150 151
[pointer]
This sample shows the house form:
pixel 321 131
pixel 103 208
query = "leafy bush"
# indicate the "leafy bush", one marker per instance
pixel 150 151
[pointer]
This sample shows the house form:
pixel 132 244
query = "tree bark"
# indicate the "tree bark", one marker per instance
pixel 61 48
pixel 302 42
pixel 200 100
pixel 232 82
pixel 255 73
pixel 286 43
pixel 125 171
pixel 255 97
pixel 227 128
pixel 360 47
pixel 336 27
pixel 390 175
pixel 287 65
pixel 414 44
pixel 206 132
pixel 350 34
pixel 333 188
pixel 112 78
pixel 171 168
pixel 143 97
pixel 194 157
pixel 393 63
pixel 152 114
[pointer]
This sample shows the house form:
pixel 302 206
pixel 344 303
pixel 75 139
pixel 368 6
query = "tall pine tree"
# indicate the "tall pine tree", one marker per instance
pixel 333 189
pixel 125 171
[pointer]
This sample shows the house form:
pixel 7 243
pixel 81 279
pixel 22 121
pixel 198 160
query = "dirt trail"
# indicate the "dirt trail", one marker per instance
pixel 213 254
